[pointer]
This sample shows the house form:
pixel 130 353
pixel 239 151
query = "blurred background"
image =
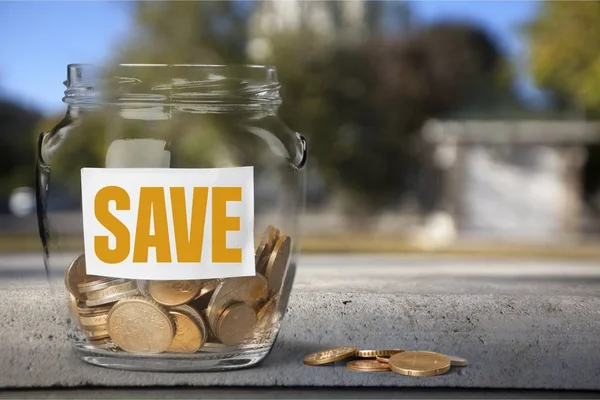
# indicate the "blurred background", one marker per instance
pixel 450 126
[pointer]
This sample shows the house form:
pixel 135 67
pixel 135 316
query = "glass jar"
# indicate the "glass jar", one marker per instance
pixel 190 190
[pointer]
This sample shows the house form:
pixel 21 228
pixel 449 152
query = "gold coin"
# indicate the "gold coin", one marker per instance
pixel 330 355
pixel 265 248
pixel 111 291
pixel 277 264
pixel 96 334
pixel 74 275
pixel 174 293
pixel 268 309
pixel 236 323
pixel 419 363
pixel 103 283
pixel 380 353
pixel 383 359
pixel 368 366
pixel 458 361
pixel 197 317
pixel 93 320
pixel 251 290
pixel 88 311
pixel 189 335
pixel 140 325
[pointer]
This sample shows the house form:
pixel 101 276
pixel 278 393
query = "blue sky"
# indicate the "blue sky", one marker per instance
pixel 38 39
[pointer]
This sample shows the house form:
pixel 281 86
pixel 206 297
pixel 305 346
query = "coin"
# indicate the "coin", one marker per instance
pixel 97 284
pixel 174 293
pixel 251 290
pixel 458 361
pixel 383 359
pixel 111 291
pixel 197 317
pixel 93 320
pixel 236 323
pixel 419 363
pixel 96 334
pixel 75 274
pixel 265 247
pixel 380 353
pixel 87 311
pixel 140 325
pixel 277 264
pixel 330 355
pixel 368 366
pixel 189 335
pixel 267 309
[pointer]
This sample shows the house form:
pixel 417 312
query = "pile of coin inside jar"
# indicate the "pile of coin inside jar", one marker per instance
pixel 411 363
pixel 181 316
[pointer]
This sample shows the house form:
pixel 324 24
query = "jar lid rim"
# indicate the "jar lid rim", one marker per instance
pixel 172 83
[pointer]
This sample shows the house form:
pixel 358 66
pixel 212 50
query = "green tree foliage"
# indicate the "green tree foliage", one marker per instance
pixel 565 60
pixel 564 51
pixel 363 106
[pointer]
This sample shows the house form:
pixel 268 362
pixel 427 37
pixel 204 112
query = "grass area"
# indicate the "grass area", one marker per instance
pixel 354 243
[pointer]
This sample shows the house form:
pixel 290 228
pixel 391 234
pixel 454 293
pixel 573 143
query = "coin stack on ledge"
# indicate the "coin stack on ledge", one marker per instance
pixel 181 316
pixel 410 363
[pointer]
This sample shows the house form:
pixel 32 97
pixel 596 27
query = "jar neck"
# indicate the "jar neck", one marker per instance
pixel 193 88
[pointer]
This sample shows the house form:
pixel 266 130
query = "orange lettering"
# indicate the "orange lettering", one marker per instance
pixel 112 223
pixel 152 206
pixel 189 243
pixel 221 223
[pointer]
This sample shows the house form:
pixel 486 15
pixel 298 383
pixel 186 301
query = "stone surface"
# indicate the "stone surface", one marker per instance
pixel 521 324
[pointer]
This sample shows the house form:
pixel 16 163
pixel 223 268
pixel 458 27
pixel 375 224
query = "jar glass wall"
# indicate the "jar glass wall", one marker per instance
pixel 176 117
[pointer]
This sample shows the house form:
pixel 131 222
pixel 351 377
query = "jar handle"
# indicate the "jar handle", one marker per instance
pixel 304 145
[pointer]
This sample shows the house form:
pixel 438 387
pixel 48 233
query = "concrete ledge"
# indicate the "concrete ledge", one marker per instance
pixel 512 341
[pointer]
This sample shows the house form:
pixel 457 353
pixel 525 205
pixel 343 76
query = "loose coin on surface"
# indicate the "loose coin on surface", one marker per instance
pixel 419 363
pixel 75 274
pixel 189 334
pixel 330 355
pixel 140 325
pixel 458 361
pixel 251 290
pixel 236 323
pixel 174 293
pixel 277 264
pixel 376 353
pixel 368 366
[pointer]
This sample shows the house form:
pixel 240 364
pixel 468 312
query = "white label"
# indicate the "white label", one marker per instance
pixel 168 224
